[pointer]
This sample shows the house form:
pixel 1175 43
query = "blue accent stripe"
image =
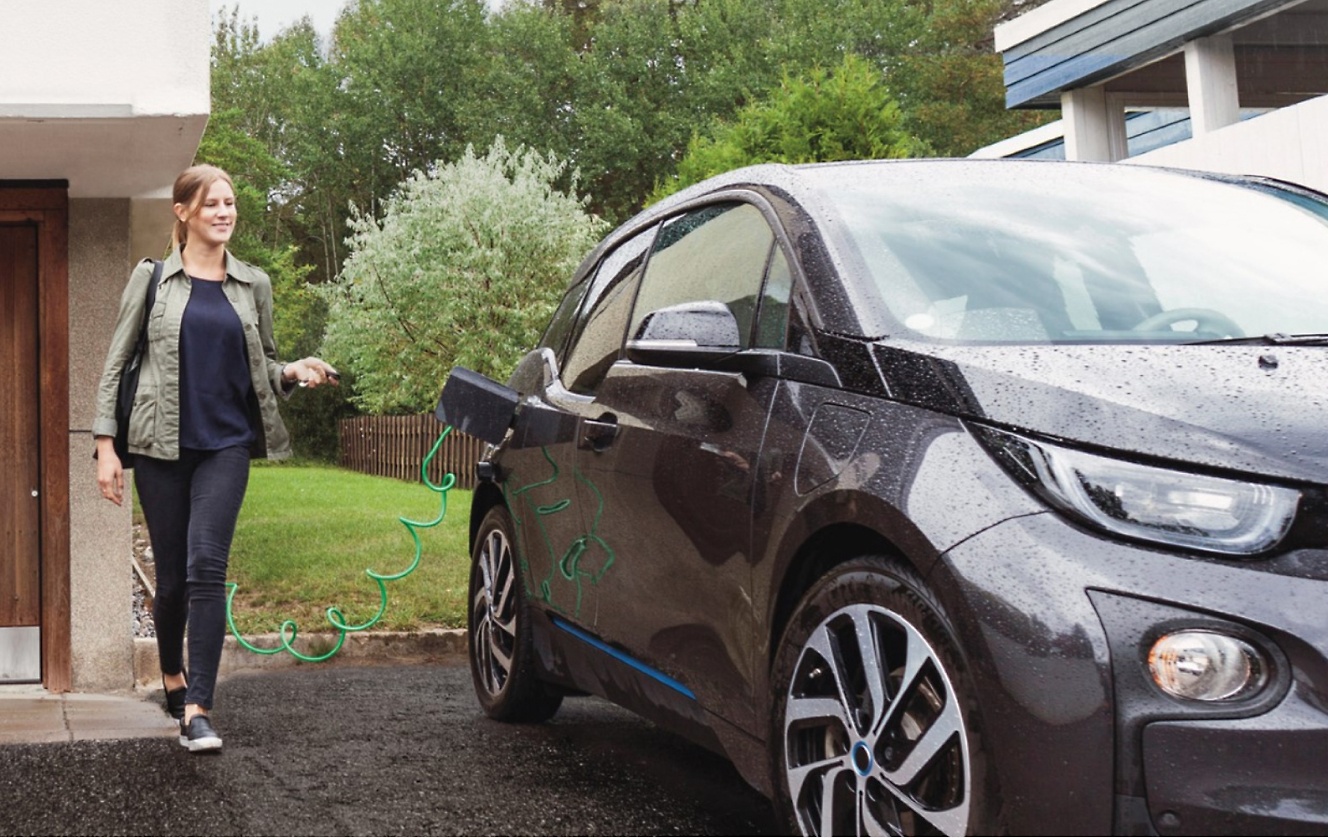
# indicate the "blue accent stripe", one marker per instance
pixel 625 658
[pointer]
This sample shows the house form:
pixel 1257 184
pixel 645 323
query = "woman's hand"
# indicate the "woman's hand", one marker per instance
pixel 310 372
pixel 110 476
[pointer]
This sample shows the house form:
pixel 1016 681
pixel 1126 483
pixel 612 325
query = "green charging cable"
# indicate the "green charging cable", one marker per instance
pixel 569 565
pixel 288 629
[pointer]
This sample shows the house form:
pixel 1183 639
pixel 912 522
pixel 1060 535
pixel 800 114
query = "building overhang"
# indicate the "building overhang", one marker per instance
pixel 1132 48
pixel 110 97
pixel 103 151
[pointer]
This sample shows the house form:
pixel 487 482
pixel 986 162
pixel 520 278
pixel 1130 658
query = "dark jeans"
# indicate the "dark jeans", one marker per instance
pixel 191 506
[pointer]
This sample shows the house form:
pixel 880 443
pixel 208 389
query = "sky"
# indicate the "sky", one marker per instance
pixel 275 15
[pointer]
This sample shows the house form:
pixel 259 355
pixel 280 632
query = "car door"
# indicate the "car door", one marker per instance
pixel 566 560
pixel 537 462
pixel 667 458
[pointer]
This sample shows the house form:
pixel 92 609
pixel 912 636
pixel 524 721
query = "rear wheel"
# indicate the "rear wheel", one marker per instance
pixel 875 724
pixel 502 665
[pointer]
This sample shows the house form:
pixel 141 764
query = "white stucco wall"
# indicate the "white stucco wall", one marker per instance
pixel 112 97
pixel 1289 143
pixel 91 58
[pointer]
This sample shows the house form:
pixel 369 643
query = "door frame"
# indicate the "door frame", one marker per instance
pixel 46 204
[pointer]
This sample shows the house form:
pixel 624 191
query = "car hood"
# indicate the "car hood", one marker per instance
pixel 1255 409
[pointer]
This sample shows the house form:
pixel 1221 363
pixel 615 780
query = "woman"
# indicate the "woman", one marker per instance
pixel 206 402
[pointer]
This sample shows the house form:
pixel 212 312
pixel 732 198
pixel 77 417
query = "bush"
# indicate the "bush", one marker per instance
pixel 463 268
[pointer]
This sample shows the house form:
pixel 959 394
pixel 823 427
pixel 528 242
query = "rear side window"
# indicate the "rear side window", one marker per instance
pixel 773 317
pixel 560 326
pixel 602 321
pixel 719 253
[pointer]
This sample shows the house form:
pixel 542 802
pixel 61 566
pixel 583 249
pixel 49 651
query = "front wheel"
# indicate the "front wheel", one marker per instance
pixel 875 728
pixel 502 665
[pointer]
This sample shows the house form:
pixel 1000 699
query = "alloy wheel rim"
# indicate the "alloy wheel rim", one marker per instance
pixel 874 737
pixel 493 611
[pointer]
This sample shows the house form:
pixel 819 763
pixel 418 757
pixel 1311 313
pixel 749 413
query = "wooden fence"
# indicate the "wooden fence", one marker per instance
pixel 394 446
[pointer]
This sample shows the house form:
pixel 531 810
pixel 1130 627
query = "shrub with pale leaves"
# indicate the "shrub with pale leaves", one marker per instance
pixel 463 267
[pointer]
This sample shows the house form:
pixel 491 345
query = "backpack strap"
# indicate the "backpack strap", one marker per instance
pixel 147 309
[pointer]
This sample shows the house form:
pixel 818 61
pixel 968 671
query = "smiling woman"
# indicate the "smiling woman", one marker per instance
pixel 199 325
pixel 211 222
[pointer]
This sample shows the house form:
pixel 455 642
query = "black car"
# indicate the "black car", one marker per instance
pixel 940 496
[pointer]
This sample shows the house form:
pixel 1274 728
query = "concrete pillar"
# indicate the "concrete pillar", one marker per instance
pixel 1210 78
pixel 150 220
pixel 100 579
pixel 1094 125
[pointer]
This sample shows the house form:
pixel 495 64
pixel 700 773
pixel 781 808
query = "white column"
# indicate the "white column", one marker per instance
pixel 1210 78
pixel 1094 125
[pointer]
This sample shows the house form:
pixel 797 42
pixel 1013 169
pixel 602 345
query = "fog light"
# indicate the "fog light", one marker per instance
pixel 1206 666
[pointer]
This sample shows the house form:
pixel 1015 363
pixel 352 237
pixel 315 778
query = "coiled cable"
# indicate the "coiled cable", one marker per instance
pixel 335 617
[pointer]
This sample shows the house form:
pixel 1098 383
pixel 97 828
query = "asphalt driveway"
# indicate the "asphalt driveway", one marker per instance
pixel 381 750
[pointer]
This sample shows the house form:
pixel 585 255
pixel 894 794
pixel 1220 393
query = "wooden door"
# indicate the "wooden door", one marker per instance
pixel 20 478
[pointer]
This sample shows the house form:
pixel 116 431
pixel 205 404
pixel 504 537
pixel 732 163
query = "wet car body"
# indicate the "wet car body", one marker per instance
pixel 674 522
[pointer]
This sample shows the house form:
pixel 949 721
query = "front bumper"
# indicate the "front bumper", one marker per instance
pixel 1240 776
pixel 1057 622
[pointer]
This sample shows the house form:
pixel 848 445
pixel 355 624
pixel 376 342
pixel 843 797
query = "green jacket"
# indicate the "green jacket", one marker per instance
pixel 154 425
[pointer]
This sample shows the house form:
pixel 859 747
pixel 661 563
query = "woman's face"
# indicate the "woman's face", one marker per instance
pixel 214 221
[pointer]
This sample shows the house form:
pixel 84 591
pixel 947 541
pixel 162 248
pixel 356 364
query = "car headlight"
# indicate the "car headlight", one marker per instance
pixel 1204 665
pixel 1234 517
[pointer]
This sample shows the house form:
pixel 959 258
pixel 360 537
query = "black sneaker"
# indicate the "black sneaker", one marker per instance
pixel 199 735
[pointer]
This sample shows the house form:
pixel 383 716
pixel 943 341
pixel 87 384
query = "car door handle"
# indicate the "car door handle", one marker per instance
pixel 598 434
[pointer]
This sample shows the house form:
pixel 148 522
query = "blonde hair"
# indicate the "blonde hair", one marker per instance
pixel 191 187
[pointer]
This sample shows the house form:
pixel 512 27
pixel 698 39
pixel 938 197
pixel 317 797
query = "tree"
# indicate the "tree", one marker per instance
pixel 463 267
pixel 631 116
pixel 402 70
pixel 527 89
pixel 613 88
pixel 950 82
pixel 844 115
pixel 260 93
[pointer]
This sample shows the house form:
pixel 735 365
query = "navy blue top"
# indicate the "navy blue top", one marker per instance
pixel 214 372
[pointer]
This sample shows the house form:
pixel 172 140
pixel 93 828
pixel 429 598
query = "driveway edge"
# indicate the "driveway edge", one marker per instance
pixel 360 648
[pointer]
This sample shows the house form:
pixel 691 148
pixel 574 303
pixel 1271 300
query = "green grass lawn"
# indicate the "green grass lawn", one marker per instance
pixel 308 532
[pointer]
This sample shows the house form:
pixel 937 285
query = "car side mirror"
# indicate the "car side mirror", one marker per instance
pixel 688 334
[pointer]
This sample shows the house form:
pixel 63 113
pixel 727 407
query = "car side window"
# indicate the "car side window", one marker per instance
pixel 603 318
pixel 560 325
pixel 717 252
pixel 773 317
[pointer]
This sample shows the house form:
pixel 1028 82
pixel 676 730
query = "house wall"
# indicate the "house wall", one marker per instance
pixel 112 98
pixel 1073 44
pixel 75 58
pixel 1289 143
pixel 100 583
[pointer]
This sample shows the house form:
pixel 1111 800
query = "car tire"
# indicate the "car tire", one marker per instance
pixel 502 654
pixel 880 743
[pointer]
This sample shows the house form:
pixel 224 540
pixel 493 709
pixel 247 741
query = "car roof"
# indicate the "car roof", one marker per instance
pixel 806 184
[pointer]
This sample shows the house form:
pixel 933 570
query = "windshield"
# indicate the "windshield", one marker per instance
pixel 1051 253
